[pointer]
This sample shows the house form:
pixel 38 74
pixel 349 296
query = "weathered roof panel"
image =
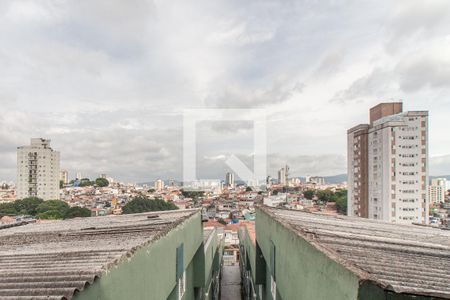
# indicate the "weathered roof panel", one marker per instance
pixel 52 260
pixel 402 258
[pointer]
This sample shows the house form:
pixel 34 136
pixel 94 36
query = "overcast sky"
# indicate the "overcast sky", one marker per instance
pixel 107 81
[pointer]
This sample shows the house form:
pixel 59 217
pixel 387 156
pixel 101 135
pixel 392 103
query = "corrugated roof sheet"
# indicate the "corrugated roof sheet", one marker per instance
pixel 403 258
pixel 53 260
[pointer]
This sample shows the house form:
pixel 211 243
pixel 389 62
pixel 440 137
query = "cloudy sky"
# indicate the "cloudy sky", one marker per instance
pixel 108 81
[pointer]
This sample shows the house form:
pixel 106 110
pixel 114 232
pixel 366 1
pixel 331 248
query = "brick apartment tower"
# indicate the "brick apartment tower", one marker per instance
pixel 388 165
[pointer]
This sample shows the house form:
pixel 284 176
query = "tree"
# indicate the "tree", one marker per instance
pixel 52 209
pixel 28 206
pixel 61 184
pixel 101 182
pixel 143 204
pixel 341 201
pixel 77 212
pixel 8 209
pixel 192 194
pixel 85 182
pixel 248 189
pixel 151 190
pixel 308 194
pixel 222 221
pixel 325 195
pixel 274 192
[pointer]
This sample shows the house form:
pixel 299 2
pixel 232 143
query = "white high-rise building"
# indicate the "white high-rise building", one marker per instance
pixel 38 170
pixel 397 167
pixel 159 185
pixel 64 176
pixel 283 175
pixel 229 180
pixel 437 191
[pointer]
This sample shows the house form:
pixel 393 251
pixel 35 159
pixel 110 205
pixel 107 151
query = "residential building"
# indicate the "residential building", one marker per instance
pixel 64 176
pixel 275 200
pixel 283 175
pixel 317 180
pixel 163 255
pixel 357 169
pixel 159 185
pixel 300 255
pixel 437 191
pixel 38 170
pixel 229 180
pixel 396 162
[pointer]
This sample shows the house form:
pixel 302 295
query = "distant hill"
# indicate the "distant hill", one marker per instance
pixel 331 179
pixel 336 178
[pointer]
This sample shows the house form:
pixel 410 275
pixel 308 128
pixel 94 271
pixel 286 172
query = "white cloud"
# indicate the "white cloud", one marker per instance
pixel 107 81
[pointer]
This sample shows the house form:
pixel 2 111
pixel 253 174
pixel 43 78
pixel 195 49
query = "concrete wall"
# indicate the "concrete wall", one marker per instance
pixel 150 272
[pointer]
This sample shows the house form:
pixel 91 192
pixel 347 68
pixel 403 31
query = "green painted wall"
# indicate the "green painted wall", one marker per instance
pixel 150 272
pixel 250 249
pixel 302 272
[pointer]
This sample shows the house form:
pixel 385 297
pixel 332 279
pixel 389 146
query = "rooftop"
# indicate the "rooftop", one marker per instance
pixel 402 258
pixel 54 260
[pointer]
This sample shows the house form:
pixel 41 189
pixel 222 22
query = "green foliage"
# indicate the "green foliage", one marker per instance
pixel 28 206
pixel 274 192
pixel 61 184
pixel 8 209
pixel 50 215
pixel 151 190
pixel 77 212
pixel 5 186
pixel 52 209
pixel 143 204
pixel 101 182
pixel 248 189
pixel 308 194
pixel 85 182
pixel 341 201
pixel 193 194
pixel 325 195
pixel 222 221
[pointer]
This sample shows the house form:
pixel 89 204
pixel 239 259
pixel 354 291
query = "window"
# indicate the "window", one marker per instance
pixel 180 273
pixel 181 286
pixel 273 284
pixel 273 288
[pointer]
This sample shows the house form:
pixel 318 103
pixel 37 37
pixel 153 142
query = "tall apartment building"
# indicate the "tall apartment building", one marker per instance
pixel 357 168
pixel 229 180
pixel 283 175
pixel 388 166
pixel 38 170
pixel 437 191
pixel 64 176
pixel 159 185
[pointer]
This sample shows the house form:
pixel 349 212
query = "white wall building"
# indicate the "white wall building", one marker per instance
pixel 38 170
pixel 159 185
pixel 275 200
pixel 229 180
pixel 437 191
pixel 398 168
pixel 388 166
pixel 64 176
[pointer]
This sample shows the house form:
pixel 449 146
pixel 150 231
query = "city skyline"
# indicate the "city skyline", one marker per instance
pixel 112 94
